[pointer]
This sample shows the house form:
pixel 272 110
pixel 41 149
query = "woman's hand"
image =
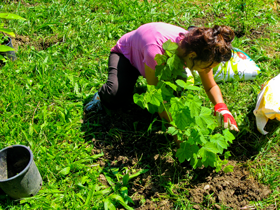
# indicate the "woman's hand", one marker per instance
pixel 224 117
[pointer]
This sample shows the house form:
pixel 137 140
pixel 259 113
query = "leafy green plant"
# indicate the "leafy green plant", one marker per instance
pixel 192 123
pixel 4 38
pixel 117 192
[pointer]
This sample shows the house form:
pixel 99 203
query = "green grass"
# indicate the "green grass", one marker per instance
pixel 43 92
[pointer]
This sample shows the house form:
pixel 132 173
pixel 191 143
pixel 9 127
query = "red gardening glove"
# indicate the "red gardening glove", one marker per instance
pixel 223 114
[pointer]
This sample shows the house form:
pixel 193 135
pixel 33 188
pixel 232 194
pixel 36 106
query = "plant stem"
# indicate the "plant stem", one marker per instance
pixel 165 110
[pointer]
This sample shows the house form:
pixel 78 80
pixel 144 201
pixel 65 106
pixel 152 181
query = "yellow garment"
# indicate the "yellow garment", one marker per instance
pixel 268 103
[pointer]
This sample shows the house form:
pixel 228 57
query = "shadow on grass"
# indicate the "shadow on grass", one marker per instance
pixel 249 141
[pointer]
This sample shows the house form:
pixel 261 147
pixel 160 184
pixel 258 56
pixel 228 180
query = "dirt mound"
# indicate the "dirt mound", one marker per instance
pixel 233 189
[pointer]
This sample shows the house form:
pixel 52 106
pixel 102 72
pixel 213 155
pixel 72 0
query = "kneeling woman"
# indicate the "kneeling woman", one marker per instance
pixel 201 49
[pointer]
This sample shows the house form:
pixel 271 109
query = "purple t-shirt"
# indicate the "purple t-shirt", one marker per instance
pixel 141 45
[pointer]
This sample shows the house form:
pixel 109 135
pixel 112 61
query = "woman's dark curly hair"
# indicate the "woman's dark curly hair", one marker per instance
pixel 209 44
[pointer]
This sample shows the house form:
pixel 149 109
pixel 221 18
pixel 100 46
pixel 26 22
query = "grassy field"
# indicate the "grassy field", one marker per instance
pixel 122 159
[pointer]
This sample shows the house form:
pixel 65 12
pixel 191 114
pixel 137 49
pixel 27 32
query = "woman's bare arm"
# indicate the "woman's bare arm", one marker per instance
pixel 212 89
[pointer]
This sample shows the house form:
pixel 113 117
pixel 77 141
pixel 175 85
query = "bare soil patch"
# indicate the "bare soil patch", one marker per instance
pixel 124 138
pixel 38 44
pixel 233 189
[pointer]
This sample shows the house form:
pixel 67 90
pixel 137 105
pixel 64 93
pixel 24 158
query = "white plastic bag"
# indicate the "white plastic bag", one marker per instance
pixel 268 103
pixel 240 65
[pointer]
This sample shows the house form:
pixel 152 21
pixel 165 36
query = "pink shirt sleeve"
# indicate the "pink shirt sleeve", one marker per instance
pixel 149 55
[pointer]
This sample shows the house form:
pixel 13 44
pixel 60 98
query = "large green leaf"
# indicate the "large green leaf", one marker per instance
pixel 7 31
pixel 170 84
pixel 228 135
pixel 160 59
pixel 163 72
pixel 186 151
pixel 174 63
pixel 212 147
pixel 194 104
pixel 170 46
pixel 204 119
pixel 153 95
pixel 209 157
pixel 172 130
pixel 196 137
pixel 180 113
pixel 176 105
pixel 183 118
pixel 184 85
pixel 220 141
pixel 11 16
pixel 4 48
pixel 139 100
